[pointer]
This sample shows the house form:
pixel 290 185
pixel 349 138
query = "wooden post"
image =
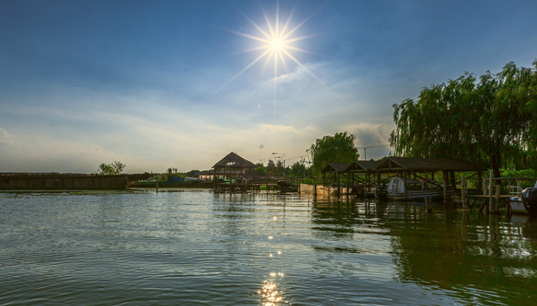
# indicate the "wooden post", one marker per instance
pixel 365 186
pixel 452 180
pixel 479 179
pixel 405 187
pixel 445 183
pixel 347 184
pixel 464 192
pixel 352 180
pixel 156 185
pixel 378 177
pixel 497 206
pixel 338 186
pixel 490 193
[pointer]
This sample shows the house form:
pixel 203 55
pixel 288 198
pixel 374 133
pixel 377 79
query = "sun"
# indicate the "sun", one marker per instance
pixel 276 44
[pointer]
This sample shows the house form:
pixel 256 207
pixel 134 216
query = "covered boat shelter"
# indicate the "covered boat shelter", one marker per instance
pixel 365 167
pixel 406 167
pixel 352 172
pixel 336 169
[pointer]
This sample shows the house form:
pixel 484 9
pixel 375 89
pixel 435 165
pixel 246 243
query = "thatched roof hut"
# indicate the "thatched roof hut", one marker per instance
pixel 233 160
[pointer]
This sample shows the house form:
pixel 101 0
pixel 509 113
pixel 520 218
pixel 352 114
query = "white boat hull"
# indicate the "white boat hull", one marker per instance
pixel 415 190
pixel 417 194
pixel 517 207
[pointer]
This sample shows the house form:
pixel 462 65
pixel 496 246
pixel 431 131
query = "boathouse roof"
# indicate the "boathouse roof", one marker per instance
pixel 233 160
pixel 335 167
pixel 427 164
pixel 362 166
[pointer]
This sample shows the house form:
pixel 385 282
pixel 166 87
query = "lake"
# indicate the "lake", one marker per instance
pixel 194 247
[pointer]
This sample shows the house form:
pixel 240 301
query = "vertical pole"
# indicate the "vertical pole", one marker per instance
pixel 497 204
pixel 445 183
pixel 464 192
pixel 348 184
pixel 378 177
pixel 479 179
pixel 338 187
pixel 352 181
pixel 156 186
pixel 490 193
pixel 405 187
pixel 428 204
pixel 366 182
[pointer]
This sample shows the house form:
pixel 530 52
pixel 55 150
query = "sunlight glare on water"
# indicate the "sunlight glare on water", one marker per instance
pixel 197 247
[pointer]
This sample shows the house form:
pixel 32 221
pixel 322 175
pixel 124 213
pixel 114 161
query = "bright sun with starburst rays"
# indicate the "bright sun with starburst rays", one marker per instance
pixel 276 44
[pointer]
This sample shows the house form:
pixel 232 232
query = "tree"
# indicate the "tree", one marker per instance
pixel 298 169
pixel 333 149
pixel 271 167
pixel 113 168
pixel 191 173
pixel 260 171
pixel 491 121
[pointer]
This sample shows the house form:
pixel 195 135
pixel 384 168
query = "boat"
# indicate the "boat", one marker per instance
pixel 284 186
pixel 415 190
pixel 529 199
pixel 517 206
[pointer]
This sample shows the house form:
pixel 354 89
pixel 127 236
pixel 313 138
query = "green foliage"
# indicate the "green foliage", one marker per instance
pixel 491 121
pixel 260 171
pixel 333 149
pixel 271 167
pixel 519 173
pixel 113 168
pixel 298 169
pixel 191 173
pixel 171 170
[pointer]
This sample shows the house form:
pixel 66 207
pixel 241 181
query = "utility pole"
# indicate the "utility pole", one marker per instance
pixel 365 149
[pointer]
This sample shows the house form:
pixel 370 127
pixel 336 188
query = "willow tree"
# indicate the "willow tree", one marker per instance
pixel 491 121
pixel 333 149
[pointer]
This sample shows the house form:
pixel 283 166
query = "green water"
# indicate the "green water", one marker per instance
pixel 198 248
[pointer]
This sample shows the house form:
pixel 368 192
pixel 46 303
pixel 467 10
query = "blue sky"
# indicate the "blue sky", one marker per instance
pixel 156 84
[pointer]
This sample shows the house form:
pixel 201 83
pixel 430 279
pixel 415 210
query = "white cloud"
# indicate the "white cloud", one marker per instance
pixel 7 139
pixel 75 129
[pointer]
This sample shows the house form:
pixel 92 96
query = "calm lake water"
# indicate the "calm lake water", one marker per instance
pixel 200 248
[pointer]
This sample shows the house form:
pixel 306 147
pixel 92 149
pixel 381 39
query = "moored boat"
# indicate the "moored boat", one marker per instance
pixel 529 199
pixel 415 189
pixel 517 206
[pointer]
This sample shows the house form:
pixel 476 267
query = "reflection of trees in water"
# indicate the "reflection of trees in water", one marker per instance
pixel 481 258
pixel 486 253
pixel 342 218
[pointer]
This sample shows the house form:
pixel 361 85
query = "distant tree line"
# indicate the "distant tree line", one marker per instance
pixel 491 120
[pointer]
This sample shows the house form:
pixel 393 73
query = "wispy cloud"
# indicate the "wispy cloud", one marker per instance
pixel 7 139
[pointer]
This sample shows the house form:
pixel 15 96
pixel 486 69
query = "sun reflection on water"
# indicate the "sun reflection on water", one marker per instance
pixel 270 294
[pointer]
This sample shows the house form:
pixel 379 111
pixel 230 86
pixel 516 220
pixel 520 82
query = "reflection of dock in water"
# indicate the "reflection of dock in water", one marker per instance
pixel 448 248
